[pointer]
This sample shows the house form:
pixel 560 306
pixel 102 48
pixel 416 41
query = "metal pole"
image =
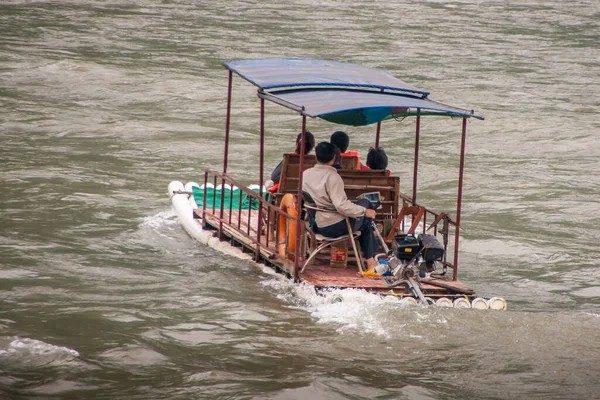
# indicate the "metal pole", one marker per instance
pixel 262 143
pixel 416 166
pixel 378 131
pixel 299 199
pixel 260 178
pixel 461 170
pixel 225 154
pixel 227 123
pixel 204 202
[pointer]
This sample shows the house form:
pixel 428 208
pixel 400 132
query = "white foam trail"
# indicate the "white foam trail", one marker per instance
pixel 24 347
pixel 160 219
pixel 350 309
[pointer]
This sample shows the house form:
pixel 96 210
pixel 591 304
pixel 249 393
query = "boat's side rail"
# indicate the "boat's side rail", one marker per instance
pixel 255 220
pixel 434 223
pixel 258 222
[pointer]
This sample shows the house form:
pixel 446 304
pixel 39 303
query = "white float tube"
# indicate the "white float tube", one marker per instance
pixel 497 303
pixel 182 203
pixel 409 301
pixel 461 302
pixel 443 302
pixel 189 188
pixel 480 304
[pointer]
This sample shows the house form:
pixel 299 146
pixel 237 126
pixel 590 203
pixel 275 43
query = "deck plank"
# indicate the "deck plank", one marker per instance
pixel 325 276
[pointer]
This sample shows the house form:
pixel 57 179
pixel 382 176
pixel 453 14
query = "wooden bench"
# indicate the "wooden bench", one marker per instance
pixel 357 182
pixel 288 182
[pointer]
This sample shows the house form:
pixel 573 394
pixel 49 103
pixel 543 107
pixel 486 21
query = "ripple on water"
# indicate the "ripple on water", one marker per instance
pixel 16 273
pixel 29 353
pixel 593 291
pixel 133 356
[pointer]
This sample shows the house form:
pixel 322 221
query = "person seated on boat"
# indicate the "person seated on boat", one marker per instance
pixel 377 159
pixel 326 187
pixel 276 174
pixel 342 141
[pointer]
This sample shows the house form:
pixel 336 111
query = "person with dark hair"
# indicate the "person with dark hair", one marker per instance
pixel 377 159
pixel 326 187
pixel 341 140
pixel 308 146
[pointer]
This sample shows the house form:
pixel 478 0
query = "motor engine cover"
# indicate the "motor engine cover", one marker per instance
pixel 405 246
pixel 432 248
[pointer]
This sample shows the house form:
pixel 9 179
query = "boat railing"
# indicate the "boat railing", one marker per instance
pixel 257 224
pixel 251 217
pixel 430 224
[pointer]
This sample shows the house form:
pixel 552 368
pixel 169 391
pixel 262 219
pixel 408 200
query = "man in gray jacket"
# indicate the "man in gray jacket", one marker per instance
pixel 326 188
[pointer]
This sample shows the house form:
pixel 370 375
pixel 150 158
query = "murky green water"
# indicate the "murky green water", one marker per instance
pixel 104 296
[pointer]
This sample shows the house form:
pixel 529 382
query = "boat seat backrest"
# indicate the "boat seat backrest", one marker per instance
pixel 311 208
pixel 290 169
pixel 359 182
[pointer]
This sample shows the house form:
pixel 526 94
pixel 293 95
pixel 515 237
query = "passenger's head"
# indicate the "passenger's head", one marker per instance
pixel 341 140
pixel 376 158
pixel 325 152
pixel 310 142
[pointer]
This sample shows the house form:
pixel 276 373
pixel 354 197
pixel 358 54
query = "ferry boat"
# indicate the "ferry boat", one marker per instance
pixel 419 245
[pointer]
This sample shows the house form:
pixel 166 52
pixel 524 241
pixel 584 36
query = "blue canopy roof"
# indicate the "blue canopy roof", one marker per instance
pixel 270 73
pixel 340 93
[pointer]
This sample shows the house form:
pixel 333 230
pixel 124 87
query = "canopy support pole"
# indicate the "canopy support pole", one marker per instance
pixel 225 154
pixel 227 123
pixel 461 172
pixel 260 178
pixel 262 144
pixel 378 131
pixel 416 165
pixel 299 200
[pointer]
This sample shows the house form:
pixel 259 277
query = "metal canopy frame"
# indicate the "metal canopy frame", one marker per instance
pixel 359 106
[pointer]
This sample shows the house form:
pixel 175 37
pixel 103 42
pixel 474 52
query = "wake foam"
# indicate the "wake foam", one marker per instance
pixel 351 310
pixel 26 352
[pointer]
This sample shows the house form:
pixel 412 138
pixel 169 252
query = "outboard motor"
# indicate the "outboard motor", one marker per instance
pixel 431 251
pixel 400 264
pixel 406 247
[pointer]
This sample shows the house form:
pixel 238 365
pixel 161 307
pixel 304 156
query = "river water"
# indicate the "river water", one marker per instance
pixel 104 296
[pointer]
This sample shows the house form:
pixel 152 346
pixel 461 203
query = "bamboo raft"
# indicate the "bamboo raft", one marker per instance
pixel 319 274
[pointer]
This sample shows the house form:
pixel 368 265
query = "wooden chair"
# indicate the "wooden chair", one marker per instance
pixel 416 212
pixel 319 242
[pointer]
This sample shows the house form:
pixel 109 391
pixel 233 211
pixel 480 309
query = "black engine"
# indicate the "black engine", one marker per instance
pixel 407 247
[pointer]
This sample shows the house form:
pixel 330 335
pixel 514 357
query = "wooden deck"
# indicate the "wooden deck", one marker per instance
pixel 323 276
pixel 320 274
